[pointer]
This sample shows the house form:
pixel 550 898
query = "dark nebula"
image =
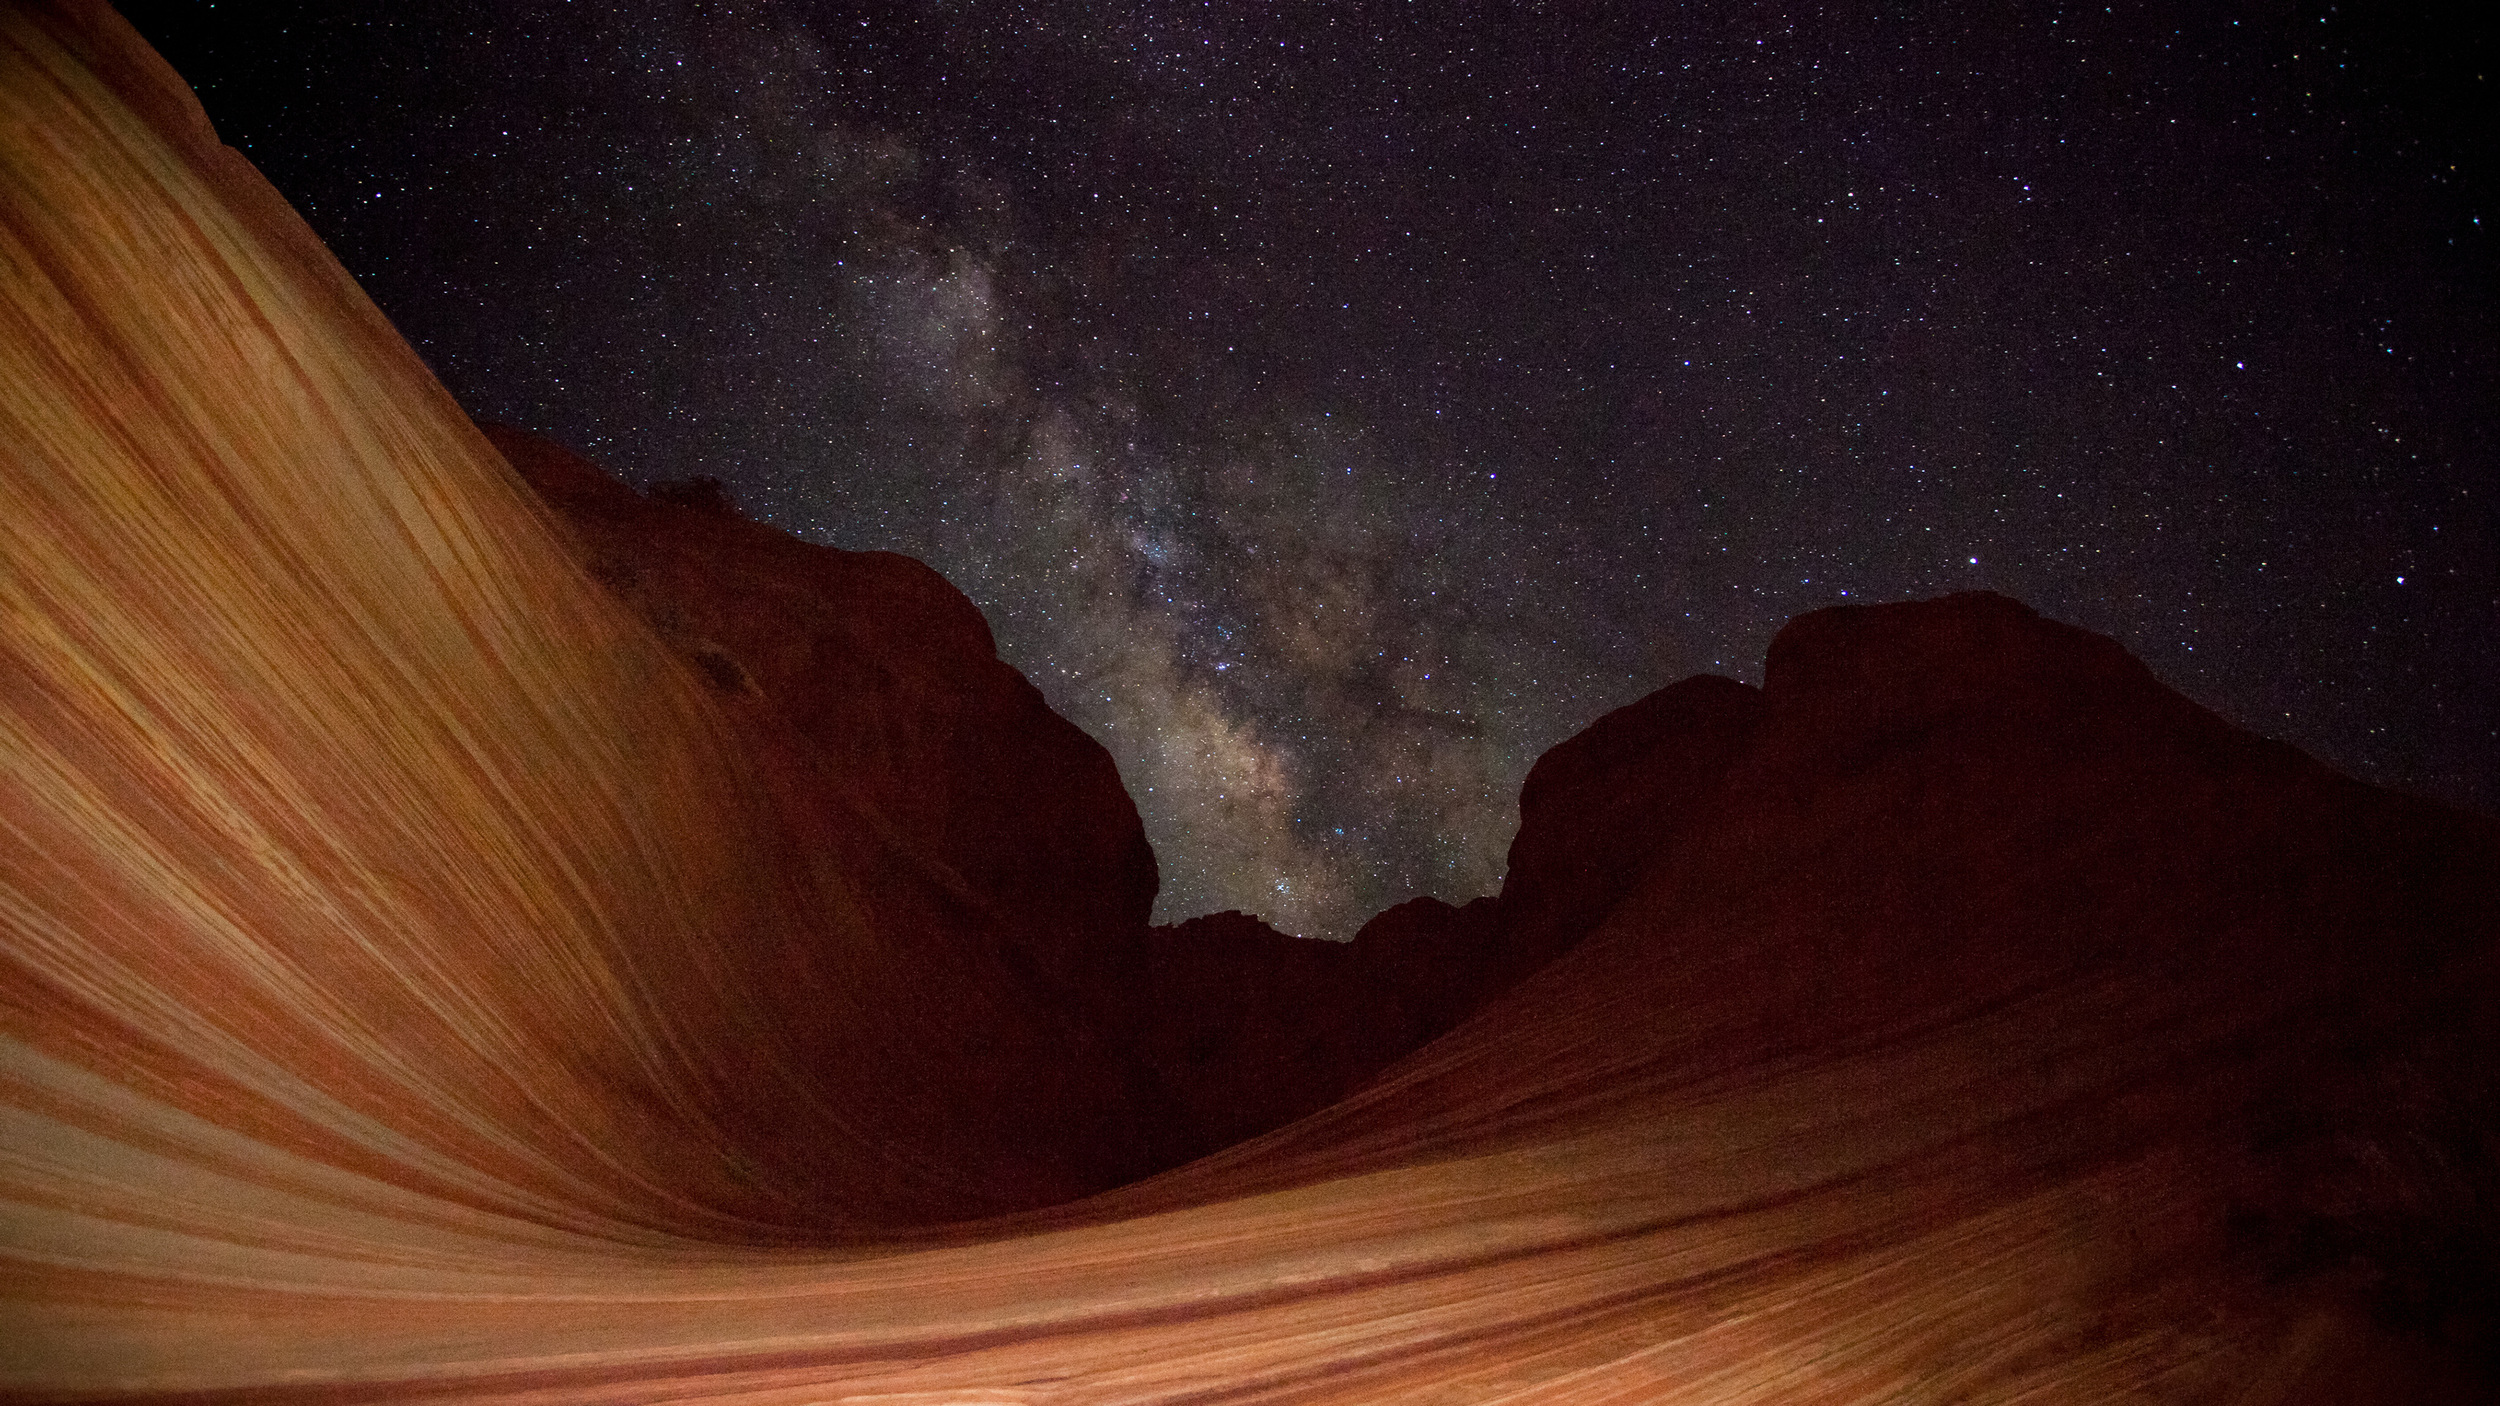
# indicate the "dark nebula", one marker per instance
pixel 1334 406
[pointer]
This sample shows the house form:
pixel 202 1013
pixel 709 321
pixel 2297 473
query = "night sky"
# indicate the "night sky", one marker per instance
pixel 1333 406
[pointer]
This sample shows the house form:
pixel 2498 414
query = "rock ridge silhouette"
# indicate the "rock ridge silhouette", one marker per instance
pixel 470 932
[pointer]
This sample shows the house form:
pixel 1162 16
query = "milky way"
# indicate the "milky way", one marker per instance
pixel 1332 407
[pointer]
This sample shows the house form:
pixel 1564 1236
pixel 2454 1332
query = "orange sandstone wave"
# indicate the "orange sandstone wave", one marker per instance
pixel 421 980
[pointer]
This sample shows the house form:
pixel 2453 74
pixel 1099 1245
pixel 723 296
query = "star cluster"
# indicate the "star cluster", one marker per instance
pixel 1333 406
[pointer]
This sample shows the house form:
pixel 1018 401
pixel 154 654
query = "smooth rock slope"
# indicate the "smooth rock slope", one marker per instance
pixel 457 945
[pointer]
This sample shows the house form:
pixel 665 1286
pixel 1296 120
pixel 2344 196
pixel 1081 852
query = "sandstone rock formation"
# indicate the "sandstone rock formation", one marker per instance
pixel 873 691
pixel 864 676
pixel 419 812
pixel 454 948
pixel 1245 1028
pixel 892 679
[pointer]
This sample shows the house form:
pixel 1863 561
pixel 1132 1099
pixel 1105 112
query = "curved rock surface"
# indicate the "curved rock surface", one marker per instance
pixel 986 839
pixel 429 971
pixel 891 677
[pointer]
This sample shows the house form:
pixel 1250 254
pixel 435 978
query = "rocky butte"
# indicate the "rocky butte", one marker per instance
pixel 473 932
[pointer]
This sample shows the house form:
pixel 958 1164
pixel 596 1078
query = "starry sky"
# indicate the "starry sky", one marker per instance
pixel 1332 406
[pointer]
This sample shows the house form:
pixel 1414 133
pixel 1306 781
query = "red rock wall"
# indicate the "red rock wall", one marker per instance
pixel 985 838
pixel 422 977
pixel 340 789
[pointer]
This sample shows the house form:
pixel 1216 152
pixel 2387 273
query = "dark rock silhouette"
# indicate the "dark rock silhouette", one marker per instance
pixel 1933 814
pixel 466 943
pixel 1597 808
pixel 865 675
pixel 1250 1028
pixel 1907 719
pixel 988 832
pixel 1428 965
pixel 893 680
pixel 1247 1028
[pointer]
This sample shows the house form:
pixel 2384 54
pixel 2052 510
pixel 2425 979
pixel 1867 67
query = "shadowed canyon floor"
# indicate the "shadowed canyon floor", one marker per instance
pixel 472 932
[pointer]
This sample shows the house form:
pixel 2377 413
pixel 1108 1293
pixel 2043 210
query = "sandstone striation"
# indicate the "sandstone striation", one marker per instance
pixel 989 836
pixel 478 935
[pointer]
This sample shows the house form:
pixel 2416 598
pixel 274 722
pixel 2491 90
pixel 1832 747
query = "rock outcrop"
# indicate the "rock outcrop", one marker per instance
pixel 466 943
pixel 589 911
pixel 1246 1028
pixel 1598 807
pixel 988 835
pixel 892 680
pixel 863 678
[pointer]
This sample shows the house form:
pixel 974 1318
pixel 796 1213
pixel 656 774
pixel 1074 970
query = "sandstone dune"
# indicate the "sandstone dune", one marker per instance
pixel 471 932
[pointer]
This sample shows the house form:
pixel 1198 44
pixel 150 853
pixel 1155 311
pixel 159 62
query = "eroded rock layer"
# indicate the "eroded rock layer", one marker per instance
pixel 872 691
pixel 435 967
pixel 342 799
pixel 984 839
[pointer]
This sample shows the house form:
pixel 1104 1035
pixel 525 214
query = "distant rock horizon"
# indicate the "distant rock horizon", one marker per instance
pixel 470 931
